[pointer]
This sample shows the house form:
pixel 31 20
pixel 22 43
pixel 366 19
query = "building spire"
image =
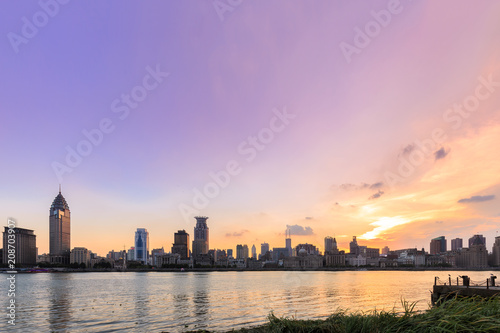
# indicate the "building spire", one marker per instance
pixel 59 188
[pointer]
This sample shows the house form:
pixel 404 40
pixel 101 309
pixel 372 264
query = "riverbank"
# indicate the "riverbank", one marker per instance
pixel 323 269
pixel 472 314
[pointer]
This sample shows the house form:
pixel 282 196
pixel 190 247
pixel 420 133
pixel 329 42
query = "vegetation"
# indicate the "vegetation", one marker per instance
pixel 471 314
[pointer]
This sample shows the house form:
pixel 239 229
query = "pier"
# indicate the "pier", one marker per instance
pixel 463 286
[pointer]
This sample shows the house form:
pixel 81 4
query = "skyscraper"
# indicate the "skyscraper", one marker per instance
pixel 288 242
pixel 241 251
pixel 24 246
pixel 477 240
pixel 456 244
pixel 264 247
pixel 60 231
pixel 141 245
pixel 353 246
pixel 438 245
pixel 254 252
pixel 330 245
pixel 200 241
pixel 181 244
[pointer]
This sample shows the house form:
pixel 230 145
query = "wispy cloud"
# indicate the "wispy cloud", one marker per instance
pixel 299 230
pixel 441 153
pixel 376 195
pixel 237 234
pixel 477 198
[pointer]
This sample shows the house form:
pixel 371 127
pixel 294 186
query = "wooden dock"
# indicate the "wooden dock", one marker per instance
pixel 464 287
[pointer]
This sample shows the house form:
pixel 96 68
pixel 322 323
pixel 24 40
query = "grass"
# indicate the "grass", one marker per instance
pixel 471 314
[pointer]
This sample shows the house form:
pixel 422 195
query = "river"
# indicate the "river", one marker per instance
pixel 179 301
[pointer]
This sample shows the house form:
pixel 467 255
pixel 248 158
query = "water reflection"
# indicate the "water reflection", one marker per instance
pixel 91 302
pixel 60 302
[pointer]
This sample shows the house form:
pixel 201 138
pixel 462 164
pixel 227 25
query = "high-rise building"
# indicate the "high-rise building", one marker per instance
pixel 131 254
pixel 254 252
pixel 264 248
pixel 456 244
pixel 495 258
pixel 230 253
pixel 288 242
pixel 60 231
pixel 181 244
pixel 330 245
pixel 80 255
pixel 385 250
pixel 438 245
pixel 477 240
pixel 201 236
pixel 141 245
pixel 353 246
pixel 24 246
pixel 241 251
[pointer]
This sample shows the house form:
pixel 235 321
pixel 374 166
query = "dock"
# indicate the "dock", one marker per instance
pixel 464 287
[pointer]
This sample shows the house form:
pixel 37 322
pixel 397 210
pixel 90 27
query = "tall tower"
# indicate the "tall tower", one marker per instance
pixel 200 241
pixel 59 231
pixel 181 244
pixel 288 242
pixel 141 245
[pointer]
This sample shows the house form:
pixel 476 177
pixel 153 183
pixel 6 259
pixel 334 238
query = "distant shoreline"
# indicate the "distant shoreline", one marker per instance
pixel 187 270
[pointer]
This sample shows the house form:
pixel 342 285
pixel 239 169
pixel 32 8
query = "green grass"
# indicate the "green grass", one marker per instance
pixel 472 314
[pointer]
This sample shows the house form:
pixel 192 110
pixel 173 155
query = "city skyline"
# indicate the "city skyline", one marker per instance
pixel 307 120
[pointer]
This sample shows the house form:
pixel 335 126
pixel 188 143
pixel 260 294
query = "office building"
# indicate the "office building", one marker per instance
pixel 264 248
pixel 353 246
pixel 438 245
pixel 80 255
pixel 201 236
pixel 477 240
pixel 59 231
pixel 456 244
pixel 330 245
pixel 254 252
pixel 24 246
pixel 241 251
pixel 181 244
pixel 496 252
pixel 141 252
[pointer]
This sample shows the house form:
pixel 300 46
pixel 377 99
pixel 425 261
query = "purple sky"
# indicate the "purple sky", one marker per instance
pixel 352 117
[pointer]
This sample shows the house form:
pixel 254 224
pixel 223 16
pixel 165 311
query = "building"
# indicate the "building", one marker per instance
pixel 254 252
pixel 477 240
pixel 24 242
pixel 59 231
pixel 476 256
pixel 310 249
pixel 279 253
pixel 201 236
pixel 335 258
pixel 155 254
pixel 303 260
pixel 288 242
pixel 141 252
pixel 80 255
pixel 495 257
pixel 438 245
pixel 353 246
pixel 230 253
pixel 241 251
pixel 131 254
pixel 181 244
pixel 456 244
pixel 385 250
pixel 264 248
pixel 330 244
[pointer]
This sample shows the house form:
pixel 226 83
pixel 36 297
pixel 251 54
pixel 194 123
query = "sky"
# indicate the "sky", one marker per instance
pixel 378 119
